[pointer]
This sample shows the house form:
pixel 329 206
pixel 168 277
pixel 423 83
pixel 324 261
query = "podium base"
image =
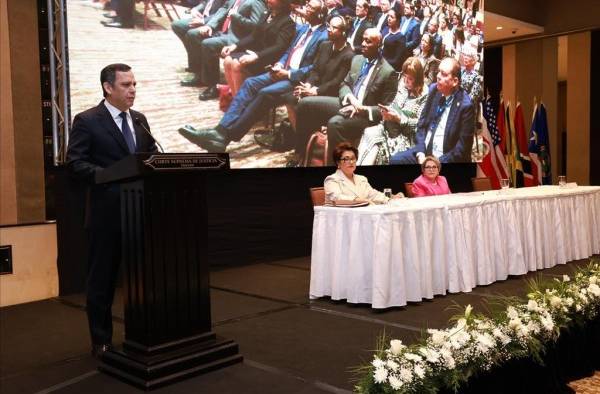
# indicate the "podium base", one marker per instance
pixel 152 371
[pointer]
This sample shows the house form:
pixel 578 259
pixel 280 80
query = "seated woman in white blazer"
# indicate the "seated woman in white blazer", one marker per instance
pixel 345 185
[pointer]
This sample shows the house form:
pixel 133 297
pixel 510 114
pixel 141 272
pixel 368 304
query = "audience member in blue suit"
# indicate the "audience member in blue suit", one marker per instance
pixel 447 123
pixel 258 94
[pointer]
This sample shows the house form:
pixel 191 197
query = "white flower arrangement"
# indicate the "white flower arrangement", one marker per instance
pixel 478 343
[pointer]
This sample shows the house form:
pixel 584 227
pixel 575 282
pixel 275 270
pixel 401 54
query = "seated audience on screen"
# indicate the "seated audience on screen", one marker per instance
pixel 235 20
pixel 260 93
pixel 430 63
pixel 380 19
pixel 345 185
pixel 189 30
pixel 394 42
pixel 397 132
pixel 430 182
pixel 331 65
pixel 359 24
pixel 370 81
pixel 447 123
pixel 266 44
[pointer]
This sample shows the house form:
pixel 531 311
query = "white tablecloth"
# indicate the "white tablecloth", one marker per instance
pixel 387 255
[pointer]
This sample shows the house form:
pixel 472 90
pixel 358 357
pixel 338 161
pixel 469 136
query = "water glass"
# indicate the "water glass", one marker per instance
pixel 562 180
pixel 504 183
pixel 387 192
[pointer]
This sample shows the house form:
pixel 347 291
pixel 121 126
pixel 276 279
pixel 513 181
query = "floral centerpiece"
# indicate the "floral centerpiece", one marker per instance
pixel 475 343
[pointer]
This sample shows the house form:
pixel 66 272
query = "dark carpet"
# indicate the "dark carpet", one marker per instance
pixel 290 344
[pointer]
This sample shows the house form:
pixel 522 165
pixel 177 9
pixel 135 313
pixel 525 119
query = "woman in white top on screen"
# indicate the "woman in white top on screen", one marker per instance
pixel 345 185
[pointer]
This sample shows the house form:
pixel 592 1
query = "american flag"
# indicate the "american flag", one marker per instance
pixel 489 113
pixel 493 164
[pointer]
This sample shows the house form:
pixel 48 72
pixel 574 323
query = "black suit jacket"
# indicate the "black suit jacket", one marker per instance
pixel 269 40
pixel 95 143
pixel 358 38
pixel 330 69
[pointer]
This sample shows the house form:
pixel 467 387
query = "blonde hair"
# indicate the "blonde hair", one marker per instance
pixel 433 159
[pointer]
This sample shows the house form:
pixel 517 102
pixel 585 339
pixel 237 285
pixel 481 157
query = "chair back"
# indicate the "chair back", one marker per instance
pixel 317 195
pixel 408 189
pixel 481 184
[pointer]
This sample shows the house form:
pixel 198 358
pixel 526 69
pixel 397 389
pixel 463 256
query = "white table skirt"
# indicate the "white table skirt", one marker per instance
pixel 413 249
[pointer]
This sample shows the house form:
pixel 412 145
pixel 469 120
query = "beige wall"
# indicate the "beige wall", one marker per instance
pixel 8 191
pixel 21 160
pixel 35 275
pixel 578 108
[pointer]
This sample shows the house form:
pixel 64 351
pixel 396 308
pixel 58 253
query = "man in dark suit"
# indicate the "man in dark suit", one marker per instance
pixel 124 14
pixel 359 25
pixel 264 91
pixel 227 25
pixel 446 126
pixel 370 81
pixel 187 28
pixel 100 137
pixel 436 38
pixel 236 20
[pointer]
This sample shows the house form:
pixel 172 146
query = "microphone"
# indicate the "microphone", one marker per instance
pixel 139 122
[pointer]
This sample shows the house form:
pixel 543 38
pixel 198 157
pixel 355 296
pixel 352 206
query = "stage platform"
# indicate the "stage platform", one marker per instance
pixel 290 344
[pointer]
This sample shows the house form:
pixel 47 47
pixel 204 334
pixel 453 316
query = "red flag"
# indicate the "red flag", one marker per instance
pixel 500 142
pixel 522 149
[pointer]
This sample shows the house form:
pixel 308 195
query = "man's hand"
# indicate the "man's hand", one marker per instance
pixel 205 31
pixel 249 57
pixel 351 111
pixel 305 89
pixel 278 74
pixel 227 50
pixel 196 22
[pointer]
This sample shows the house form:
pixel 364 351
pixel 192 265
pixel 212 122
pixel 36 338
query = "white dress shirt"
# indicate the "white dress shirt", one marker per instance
pixel 115 113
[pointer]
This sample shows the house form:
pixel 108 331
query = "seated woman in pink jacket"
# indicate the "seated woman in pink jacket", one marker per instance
pixel 430 183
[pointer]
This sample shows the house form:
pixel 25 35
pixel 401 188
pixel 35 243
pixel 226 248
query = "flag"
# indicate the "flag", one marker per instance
pixel 492 164
pixel 539 147
pixel 521 151
pixel 510 144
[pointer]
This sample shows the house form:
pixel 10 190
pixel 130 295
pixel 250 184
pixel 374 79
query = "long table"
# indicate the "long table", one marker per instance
pixel 414 249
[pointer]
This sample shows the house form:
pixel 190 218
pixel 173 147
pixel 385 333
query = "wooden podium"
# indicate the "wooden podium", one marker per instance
pixel 166 291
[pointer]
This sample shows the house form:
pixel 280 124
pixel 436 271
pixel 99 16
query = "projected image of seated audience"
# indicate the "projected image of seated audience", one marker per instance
pixel 280 83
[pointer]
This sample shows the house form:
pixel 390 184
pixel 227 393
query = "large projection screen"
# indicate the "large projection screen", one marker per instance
pixel 159 60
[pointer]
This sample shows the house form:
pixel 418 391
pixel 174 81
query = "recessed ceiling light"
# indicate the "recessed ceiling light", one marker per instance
pixel 498 27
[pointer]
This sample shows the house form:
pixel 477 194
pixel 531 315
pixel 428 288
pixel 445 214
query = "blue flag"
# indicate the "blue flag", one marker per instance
pixel 539 146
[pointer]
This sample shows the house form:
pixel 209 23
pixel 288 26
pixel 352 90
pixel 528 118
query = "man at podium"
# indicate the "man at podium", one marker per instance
pixel 101 136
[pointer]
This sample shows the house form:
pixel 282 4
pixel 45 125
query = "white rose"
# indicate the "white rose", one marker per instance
pixel 396 346
pixel 395 382
pixel 555 301
pixel 532 305
pixel 380 375
pixel 438 337
pixel 594 289
pixel 566 278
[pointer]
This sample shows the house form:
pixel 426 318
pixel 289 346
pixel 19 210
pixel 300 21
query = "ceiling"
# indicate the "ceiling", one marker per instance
pixel 498 27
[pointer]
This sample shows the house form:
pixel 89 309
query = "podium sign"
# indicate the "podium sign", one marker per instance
pixel 166 274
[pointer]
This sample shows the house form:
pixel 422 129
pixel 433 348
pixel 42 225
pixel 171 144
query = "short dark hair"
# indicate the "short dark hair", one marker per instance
pixel 341 148
pixel 109 74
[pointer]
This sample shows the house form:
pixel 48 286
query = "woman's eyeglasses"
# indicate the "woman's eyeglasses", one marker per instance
pixel 431 167
pixel 348 159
